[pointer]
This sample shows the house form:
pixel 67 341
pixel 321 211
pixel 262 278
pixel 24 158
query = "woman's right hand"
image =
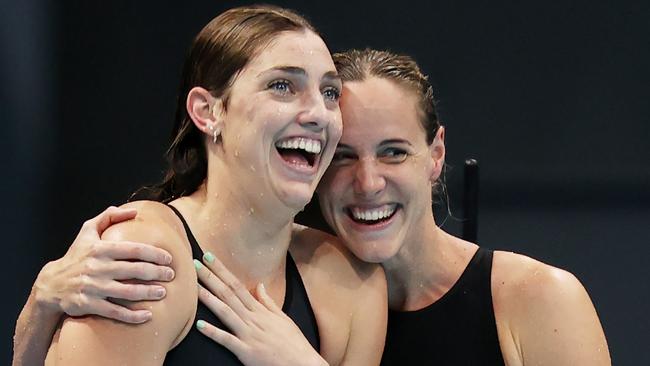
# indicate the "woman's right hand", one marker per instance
pixel 90 274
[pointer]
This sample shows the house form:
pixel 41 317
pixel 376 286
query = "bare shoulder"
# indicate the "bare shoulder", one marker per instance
pixel 97 340
pixel 317 250
pixel 516 276
pixel 546 313
pixel 155 222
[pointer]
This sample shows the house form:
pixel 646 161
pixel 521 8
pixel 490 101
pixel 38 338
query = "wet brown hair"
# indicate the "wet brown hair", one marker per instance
pixel 358 65
pixel 215 58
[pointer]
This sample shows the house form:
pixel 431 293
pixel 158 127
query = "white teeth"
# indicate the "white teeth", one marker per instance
pixel 373 214
pixel 309 145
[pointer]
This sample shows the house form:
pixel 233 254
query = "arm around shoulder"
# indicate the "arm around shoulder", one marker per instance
pixel 96 340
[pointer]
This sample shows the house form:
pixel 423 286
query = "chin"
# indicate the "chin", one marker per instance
pixel 372 254
pixel 297 197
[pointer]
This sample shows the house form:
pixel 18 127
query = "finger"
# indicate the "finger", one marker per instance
pixel 110 216
pixel 266 300
pixel 231 281
pixel 135 251
pixel 132 292
pixel 219 288
pixel 222 337
pixel 122 270
pixel 227 316
pixel 120 313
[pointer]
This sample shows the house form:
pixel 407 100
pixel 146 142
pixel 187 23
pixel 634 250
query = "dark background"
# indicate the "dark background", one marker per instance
pixel 550 97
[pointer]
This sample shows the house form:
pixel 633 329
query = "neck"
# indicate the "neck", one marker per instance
pixel 251 243
pixel 427 265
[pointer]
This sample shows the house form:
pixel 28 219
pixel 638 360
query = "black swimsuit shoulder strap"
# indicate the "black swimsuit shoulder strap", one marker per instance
pixel 197 252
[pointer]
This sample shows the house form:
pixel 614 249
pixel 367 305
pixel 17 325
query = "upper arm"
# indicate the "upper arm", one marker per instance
pixel 368 327
pixel 555 321
pixel 96 340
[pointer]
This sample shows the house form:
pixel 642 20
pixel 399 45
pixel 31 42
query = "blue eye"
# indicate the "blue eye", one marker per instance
pixel 282 87
pixel 332 93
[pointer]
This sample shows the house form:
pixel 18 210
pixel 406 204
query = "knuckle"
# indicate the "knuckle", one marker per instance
pixel 94 248
pixel 135 251
pixel 236 286
pixel 130 292
pixel 89 268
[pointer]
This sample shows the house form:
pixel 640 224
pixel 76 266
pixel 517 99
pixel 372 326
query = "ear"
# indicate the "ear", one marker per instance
pixel 437 151
pixel 205 110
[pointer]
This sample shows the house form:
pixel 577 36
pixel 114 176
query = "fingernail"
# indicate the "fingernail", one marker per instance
pixel 209 257
pixel 167 259
pixel 160 292
pixel 200 324
pixel 169 274
pixel 197 264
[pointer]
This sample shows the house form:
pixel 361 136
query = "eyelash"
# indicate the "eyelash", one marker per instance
pixel 276 83
pixel 336 91
pixel 391 155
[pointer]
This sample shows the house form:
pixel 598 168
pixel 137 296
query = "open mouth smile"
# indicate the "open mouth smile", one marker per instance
pixel 302 153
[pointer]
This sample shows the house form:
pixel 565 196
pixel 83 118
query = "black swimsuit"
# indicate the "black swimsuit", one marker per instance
pixel 197 349
pixel 458 329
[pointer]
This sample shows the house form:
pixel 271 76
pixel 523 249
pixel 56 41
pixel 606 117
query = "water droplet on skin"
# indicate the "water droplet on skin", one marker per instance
pixel 272 248
pixel 155 333
pixel 252 210
pixel 261 194
pixel 259 252
pixel 232 254
pixel 236 153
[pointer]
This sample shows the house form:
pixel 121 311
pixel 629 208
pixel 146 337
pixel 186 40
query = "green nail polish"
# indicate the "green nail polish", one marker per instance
pixel 209 257
pixel 197 264
pixel 200 324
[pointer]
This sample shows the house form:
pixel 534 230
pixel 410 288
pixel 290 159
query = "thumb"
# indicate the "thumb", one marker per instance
pixel 265 299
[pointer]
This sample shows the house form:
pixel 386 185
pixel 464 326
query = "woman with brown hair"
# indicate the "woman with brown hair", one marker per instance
pixel 451 302
pixel 257 123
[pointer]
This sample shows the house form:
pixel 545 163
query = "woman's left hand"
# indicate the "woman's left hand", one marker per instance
pixel 262 333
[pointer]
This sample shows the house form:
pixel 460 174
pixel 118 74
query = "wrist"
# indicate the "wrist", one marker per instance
pixel 40 296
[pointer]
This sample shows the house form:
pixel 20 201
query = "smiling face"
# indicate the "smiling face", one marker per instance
pixel 377 192
pixel 282 121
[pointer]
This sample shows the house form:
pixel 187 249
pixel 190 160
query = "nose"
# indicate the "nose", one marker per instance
pixel 368 180
pixel 314 115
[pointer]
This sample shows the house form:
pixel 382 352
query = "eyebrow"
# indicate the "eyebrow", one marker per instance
pixel 299 71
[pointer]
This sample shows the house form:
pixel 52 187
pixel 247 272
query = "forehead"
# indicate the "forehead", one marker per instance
pixel 303 49
pixel 378 109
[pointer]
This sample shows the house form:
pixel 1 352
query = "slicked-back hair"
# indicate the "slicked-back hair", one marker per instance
pixel 358 65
